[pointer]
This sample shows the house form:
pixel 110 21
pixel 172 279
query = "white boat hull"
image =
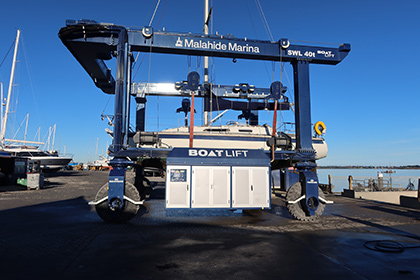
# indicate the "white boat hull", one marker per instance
pixel 52 163
pixel 230 137
pixel 48 162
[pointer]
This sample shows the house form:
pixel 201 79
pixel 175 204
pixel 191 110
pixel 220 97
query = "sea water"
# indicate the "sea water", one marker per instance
pixel 402 178
pixel 340 177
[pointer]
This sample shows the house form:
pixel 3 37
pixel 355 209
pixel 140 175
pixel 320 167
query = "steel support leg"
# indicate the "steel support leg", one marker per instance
pixel 117 175
pixel 120 92
pixel 116 189
pixel 309 181
pixel 307 177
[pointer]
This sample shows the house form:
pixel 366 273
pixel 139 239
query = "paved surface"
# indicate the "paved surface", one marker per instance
pixel 53 234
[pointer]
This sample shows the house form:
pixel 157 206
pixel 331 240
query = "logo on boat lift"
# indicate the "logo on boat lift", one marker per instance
pixel 217 45
pixel 115 181
pixel 312 181
pixel 178 43
pixel 217 153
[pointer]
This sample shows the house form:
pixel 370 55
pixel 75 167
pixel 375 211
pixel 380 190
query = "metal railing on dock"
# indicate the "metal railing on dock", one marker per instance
pixel 394 183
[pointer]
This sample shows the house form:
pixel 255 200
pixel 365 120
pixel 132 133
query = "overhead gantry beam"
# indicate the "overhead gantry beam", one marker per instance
pixel 92 43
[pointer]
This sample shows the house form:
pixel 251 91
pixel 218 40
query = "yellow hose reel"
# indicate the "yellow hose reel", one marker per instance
pixel 320 128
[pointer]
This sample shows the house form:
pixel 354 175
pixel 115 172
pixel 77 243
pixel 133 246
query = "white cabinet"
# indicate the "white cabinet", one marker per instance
pixel 178 186
pixel 250 187
pixel 210 187
pixel 216 187
pixel 217 178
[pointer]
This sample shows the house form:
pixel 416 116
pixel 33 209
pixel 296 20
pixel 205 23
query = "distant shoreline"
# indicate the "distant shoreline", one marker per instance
pixel 410 167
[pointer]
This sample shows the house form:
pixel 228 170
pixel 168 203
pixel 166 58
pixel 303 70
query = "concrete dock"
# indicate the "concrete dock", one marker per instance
pixel 53 233
pixel 382 196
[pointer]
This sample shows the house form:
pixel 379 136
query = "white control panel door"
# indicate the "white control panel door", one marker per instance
pixel 250 187
pixel 178 186
pixel 210 187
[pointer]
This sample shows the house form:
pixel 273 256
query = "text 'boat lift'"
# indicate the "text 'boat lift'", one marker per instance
pixel 92 43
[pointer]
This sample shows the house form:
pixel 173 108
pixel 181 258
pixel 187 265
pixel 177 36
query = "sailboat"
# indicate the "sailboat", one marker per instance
pixel 49 161
pixel 232 135
pixel 229 136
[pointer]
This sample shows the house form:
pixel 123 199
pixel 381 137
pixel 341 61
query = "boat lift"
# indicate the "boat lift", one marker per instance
pixel 93 43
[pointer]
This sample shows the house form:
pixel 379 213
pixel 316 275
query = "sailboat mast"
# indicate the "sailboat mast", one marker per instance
pixel 26 128
pixel 207 117
pixel 48 139
pixel 1 104
pixel 52 147
pixel 12 74
pixel 96 153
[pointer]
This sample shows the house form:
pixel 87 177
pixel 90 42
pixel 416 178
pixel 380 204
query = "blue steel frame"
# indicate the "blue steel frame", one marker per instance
pixel 91 43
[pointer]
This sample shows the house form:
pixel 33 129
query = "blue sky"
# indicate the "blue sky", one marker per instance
pixel 369 102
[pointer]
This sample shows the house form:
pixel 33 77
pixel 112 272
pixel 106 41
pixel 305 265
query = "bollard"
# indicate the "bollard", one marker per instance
pixel 380 181
pixel 350 183
pixel 418 190
pixel 329 183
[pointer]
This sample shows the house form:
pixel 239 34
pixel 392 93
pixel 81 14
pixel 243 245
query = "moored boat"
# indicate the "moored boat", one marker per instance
pixel 50 162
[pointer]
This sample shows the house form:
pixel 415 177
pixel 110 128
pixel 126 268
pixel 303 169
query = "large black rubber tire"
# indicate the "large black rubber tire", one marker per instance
pixel 128 211
pixel 145 189
pixel 140 182
pixel 297 210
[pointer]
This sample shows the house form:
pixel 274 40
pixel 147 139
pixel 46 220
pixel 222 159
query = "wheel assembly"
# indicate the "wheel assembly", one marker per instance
pixel 145 189
pixel 298 208
pixel 112 212
pixel 142 184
